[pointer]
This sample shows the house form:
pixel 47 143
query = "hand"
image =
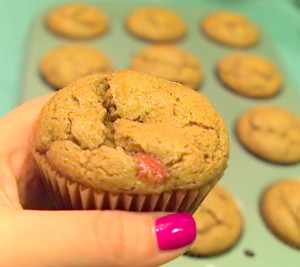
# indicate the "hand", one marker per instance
pixel 72 238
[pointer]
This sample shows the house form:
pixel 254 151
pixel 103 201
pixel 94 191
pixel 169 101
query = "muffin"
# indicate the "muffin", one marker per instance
pixel 271 133
pixel 70 62
pixel 230 29
pixel 169 62
pixel 130 141
pixel 77 21
pixel 156 24
pixel 282 200
pixel 249 75
pixel 219 224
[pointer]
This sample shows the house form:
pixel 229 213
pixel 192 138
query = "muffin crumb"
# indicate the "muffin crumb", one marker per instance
pixel 249 253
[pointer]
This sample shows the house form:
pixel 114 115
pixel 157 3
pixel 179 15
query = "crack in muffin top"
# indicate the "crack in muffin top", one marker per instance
pixel 92 131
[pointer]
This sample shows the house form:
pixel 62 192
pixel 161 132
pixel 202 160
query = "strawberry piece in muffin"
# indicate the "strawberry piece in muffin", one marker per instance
pixel 151 169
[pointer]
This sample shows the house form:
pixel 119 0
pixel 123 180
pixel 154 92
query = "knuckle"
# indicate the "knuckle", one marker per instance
pixel 128 239
pixel 114 238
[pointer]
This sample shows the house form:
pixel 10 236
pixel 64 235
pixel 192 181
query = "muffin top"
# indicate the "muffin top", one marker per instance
pixel 156 24
pixel 169 62
pixel 69 62
pixel 282 200
pixel 131 131
pixel 249 75
pixel 219 223
pixel 231 29
pixel 271 133
pixel 77 21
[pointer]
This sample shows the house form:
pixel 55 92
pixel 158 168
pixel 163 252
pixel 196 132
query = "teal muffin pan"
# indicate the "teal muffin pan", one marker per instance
pixel 247 176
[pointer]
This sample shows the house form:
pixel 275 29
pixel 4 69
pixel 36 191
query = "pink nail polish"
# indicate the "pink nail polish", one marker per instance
pixel 175 231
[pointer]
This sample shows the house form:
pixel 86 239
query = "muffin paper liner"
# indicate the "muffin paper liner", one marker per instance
pixel 68 194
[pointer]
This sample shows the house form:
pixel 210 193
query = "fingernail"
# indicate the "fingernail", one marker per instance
pixel 175 231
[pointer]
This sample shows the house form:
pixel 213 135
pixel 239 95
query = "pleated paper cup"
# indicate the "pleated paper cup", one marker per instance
pixel 68 194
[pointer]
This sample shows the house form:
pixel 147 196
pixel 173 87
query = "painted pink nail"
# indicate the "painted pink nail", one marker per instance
pixel 175 231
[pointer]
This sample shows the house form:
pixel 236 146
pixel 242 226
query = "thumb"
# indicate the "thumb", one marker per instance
pixel 92 238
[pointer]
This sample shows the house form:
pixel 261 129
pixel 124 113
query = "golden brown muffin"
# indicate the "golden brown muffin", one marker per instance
pixel 133 133
pixel 249 75
pixel 68 63
pixel 156 24
pixel 219 224
pixel 280 209
pixel 77 21
pixel 271 132
pixel 230 29
pixel 169 62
